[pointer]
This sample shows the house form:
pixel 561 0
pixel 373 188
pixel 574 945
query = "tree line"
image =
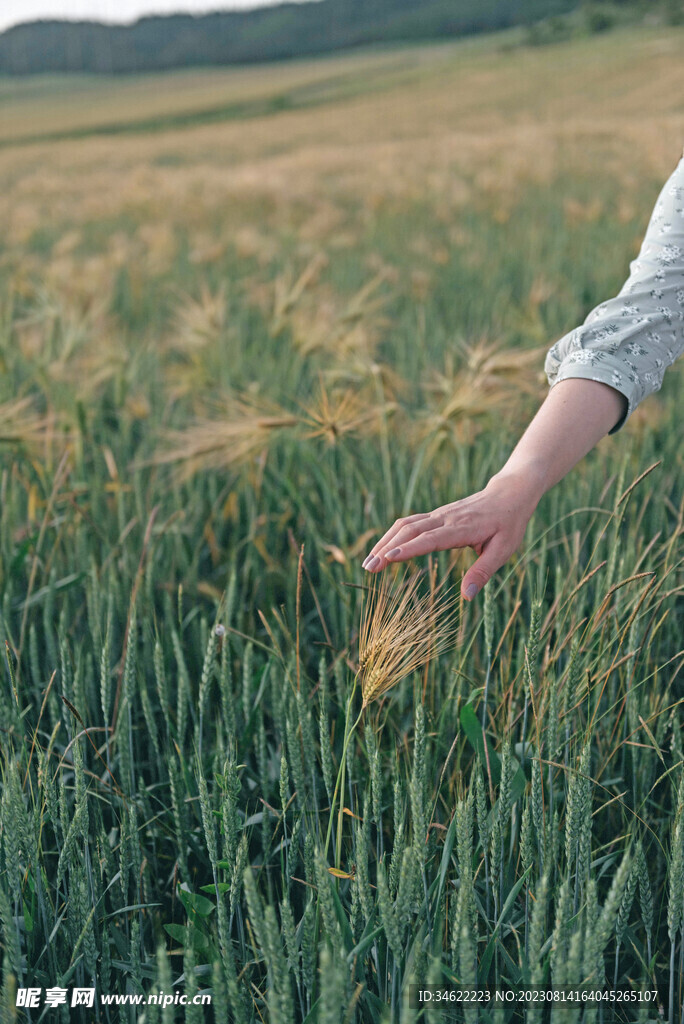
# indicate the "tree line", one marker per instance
pixel 287 30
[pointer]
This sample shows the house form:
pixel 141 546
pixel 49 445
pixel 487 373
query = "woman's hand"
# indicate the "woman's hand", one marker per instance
pixel 574 416
pixel 492 522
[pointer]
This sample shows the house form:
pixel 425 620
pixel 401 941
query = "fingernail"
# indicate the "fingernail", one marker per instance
pixel 471 591
pixel 366 560
pixel 372 564
pixel 393 553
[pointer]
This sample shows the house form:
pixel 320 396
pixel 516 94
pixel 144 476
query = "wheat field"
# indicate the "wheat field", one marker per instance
pixel 248 317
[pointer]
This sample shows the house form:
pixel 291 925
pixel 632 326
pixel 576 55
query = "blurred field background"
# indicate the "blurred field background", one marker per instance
pixel 247 318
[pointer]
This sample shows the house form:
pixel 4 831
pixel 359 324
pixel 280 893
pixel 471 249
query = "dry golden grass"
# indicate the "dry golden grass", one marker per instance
pixel 324 323
pixel 483 369
pixel 68 343
pixel 21 424
pixel 402 629
pixel 199 322
pixel 234 435
pixel 478 380
pixel 81 103
pixel 334 415
pixel 466 123
pixel 476 115
pixel 244 426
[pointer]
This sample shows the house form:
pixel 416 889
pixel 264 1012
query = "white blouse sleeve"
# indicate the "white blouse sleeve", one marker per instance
pixel 629 341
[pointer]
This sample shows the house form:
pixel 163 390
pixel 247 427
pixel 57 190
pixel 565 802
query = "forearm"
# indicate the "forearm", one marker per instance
pixel 574 417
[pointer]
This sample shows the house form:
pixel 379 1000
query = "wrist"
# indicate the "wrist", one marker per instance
pixel 528 481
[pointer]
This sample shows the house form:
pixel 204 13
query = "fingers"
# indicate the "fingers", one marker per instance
pixel 440 538
pixel 402 529
pixel 434 532
pixel 411 540
pixel 495 553
pixel 492 522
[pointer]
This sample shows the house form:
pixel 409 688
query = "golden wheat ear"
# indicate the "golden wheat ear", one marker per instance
pixel 21 424
pixel 405 624
pixel 222 442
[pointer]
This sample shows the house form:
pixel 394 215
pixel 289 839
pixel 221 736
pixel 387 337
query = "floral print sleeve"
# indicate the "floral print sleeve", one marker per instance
pixel 629 341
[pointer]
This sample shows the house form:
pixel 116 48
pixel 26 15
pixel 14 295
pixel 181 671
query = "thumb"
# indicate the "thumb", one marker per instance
pixel 491 559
